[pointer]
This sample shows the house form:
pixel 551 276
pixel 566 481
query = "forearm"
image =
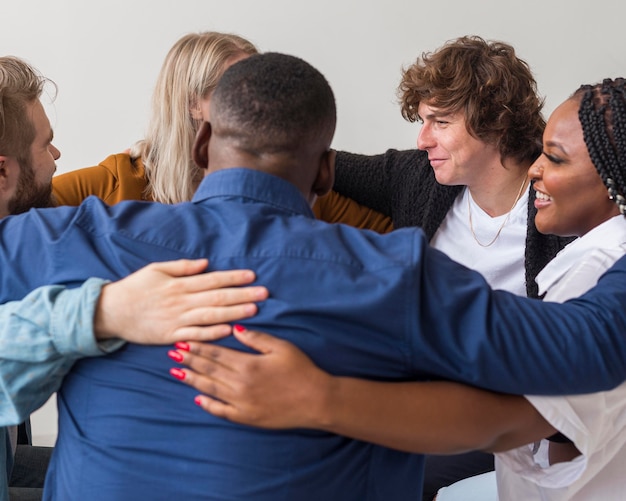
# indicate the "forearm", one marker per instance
pixel 280 387
pixel 40 338
pixel 364 179
pixel 426 417
pixel 498 341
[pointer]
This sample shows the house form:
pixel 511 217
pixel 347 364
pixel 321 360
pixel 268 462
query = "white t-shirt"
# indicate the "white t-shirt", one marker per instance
pixel 596 422
pixel 502 264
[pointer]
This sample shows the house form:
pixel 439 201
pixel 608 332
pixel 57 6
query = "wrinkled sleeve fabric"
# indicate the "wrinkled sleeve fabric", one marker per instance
pixel 499 341
pixel 460 329
pixel 365 179
pixel 114 179
pixel 41 337
pixel 71 188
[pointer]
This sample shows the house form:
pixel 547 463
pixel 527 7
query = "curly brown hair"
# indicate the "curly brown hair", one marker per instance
pixel 486 81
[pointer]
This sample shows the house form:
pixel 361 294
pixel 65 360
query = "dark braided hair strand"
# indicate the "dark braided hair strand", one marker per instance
pixel 602 114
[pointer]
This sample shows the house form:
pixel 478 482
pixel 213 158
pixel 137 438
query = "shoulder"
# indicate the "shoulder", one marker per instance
pixel 370 249
pixel 120 166
pixel 118 177
pixel 127 217
pixel 123 165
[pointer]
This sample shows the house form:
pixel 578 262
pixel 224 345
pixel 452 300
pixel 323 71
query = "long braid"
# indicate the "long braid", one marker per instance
pixel 602 114
pixel 618 104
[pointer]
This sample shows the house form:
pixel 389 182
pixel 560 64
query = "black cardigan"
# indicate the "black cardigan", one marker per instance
pixel 402 185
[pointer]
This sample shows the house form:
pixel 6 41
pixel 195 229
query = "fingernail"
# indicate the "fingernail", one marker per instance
pixel 197 400
pixel 177 373
pixel 181 345
pixel 239 328
pixel 175 356
pixel 250 309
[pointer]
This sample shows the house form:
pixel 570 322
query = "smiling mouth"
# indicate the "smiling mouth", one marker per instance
pixel 542 196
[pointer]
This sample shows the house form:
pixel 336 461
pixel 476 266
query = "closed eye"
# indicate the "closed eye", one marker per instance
pixel 552 158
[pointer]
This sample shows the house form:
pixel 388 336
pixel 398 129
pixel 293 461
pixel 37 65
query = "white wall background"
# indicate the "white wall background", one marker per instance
pixel 105 56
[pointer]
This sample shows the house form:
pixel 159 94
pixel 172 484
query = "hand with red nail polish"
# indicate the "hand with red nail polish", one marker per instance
pixel 242 387
pixel 178 373
pixel 181 345
pixel 175 356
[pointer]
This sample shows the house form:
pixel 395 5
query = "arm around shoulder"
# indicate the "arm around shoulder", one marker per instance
pixel 41 337
pixel 281 388
pixel 370 180
pixel 431 417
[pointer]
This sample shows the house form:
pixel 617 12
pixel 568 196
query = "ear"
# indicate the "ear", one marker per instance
pixel 200 151
pixel 325 174
pixel 9 177
pixel 9 174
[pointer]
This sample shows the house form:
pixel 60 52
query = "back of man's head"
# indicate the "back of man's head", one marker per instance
pixel 20 84
pixel 273 103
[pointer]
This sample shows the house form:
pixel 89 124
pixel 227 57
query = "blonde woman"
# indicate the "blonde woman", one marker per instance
pixel 159 167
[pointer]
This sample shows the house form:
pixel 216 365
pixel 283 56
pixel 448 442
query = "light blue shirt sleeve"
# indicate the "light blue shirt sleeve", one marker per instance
pixel 41 337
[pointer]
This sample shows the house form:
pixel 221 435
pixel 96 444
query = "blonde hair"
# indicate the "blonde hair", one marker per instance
pixel 190 72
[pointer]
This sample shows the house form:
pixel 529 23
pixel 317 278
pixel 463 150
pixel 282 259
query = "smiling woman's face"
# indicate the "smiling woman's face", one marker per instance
pixel 571 197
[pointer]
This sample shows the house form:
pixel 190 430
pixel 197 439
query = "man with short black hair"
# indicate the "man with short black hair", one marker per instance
pixel 45 333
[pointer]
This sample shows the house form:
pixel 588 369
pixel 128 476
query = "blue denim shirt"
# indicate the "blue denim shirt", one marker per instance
pixel 40 339
pixel 386 307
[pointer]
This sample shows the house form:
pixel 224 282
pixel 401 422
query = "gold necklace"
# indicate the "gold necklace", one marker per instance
pixel 471 224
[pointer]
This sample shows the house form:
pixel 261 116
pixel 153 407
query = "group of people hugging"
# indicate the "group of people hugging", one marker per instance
pixel 231 308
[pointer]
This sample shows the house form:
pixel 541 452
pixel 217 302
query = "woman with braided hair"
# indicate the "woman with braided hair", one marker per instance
pixel 599 136
pixel 579 183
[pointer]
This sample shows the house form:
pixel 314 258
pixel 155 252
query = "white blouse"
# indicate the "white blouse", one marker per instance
pixel 596 423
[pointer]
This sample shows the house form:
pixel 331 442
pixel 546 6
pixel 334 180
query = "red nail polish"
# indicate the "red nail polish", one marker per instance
pixel 181 345
pixel 197 400
pixel 239 328
pixel 175 356
pixel 177 373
